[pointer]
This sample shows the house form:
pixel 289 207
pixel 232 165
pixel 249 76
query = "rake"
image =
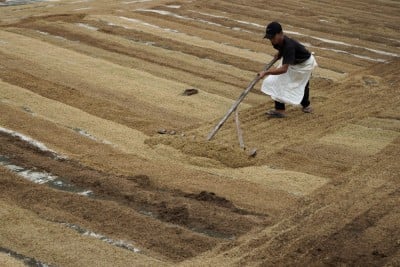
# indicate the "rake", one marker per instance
pixel 235 106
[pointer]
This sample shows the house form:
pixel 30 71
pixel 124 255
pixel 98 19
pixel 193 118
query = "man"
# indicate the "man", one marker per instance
pixel 289 83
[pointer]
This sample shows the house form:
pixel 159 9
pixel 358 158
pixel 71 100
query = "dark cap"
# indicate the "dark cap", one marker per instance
pixel 272 29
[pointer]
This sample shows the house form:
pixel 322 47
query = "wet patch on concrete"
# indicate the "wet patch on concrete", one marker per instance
pixel 32 142
pixel 117 243
pixel 55 36
pixel 85 134
pixel 87 26
pixel 26 260
pixel 42 177
pixel 19 2
pixel 90 136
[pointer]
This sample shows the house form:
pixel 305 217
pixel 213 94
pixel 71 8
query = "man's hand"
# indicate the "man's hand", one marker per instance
pixel 262 74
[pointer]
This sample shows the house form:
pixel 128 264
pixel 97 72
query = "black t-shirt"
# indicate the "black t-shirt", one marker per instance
pixel 292 52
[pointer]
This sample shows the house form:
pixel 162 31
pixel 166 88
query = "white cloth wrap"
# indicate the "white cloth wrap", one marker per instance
pixel 289 87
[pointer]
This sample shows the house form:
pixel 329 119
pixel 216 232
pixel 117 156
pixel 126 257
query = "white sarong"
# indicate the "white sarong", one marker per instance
pixel 289 87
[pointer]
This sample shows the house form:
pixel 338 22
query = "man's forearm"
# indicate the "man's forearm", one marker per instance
pixel 277 71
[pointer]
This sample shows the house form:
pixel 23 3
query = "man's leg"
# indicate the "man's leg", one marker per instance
pixel 279 106
pixel 306 102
